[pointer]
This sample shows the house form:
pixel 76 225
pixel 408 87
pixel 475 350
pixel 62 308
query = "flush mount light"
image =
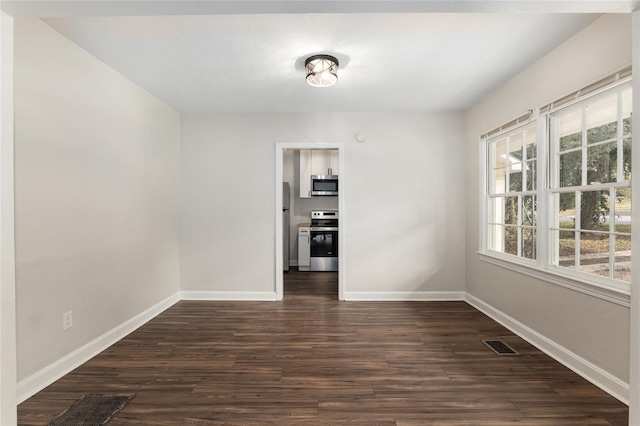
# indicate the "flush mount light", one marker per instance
pixel 322 70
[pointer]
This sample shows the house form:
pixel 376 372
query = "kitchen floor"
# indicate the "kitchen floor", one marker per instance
pixel 315 285
pixel 311 360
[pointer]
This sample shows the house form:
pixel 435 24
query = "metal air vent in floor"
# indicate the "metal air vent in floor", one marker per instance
pixel 500 347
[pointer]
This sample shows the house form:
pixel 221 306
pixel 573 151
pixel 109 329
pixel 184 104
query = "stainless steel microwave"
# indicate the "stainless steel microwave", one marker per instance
pixel 324 185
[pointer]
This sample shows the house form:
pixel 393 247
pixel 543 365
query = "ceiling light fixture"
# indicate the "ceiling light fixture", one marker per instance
pixel 322 70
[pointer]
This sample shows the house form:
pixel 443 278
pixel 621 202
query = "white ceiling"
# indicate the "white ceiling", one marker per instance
pixel 239 61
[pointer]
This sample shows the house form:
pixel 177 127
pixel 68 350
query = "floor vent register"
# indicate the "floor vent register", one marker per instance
pixel 92 410
pixel 500 347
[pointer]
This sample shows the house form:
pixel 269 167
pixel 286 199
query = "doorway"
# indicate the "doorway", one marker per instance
pixel 282 151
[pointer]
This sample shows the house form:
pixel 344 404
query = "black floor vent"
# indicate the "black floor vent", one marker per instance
pixel 92 410
pixel 500 347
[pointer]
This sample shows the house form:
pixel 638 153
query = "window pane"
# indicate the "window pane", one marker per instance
pixel 626 147
pixel 495 237
pixel 531 143
pixel 529 210
pixel 515 178
pixel 570 130
pixel 571 169
pixel 530 174
pixel 515 162
pixel 511 210
pixel 594 253
pixel 499 153
pixel 529 243
pixel 602 163
pixel 626 112
pixel 499 181
pixel 623 210
pixel 602 119
pixel 511 240
pixel 566 249
pixel 622 269
pixel 566 210
pixel 515 147
pixel 496 211
pixel 594 210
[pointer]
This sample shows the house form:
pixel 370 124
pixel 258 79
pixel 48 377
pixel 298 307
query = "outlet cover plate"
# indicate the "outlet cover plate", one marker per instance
pixel 67 320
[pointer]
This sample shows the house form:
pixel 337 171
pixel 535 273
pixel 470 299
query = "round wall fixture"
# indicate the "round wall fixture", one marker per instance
pixel 322 70
pixel 360 137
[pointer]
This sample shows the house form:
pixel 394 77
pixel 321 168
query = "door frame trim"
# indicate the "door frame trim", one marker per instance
pixel 279 153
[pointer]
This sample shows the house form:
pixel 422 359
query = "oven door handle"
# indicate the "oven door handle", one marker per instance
pixel 323 229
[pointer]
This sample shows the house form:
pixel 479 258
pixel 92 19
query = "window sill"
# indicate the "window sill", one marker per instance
pixel 616 296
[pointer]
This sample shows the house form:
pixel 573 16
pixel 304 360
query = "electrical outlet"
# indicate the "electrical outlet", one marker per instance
pixel 67 320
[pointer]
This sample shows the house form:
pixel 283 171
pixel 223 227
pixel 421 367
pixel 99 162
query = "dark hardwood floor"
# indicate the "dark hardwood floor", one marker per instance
pixel 311 359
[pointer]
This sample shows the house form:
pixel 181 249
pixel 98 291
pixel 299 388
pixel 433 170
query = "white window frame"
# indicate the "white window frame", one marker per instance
pixel 554 187
pixel 490 195
pixel 608 289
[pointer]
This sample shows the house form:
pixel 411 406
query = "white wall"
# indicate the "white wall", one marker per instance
pixel 96 197
pixel 634 380
pixel 594 329
pixel 8 396
pixel 404 198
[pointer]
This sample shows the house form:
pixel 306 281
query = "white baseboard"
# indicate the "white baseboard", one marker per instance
pixel 399 296
pixel 596 375
pixel 256 296
pixel 43 378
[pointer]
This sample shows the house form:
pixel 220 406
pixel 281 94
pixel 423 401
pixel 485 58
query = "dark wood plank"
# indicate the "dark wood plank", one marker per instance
pixel 311 359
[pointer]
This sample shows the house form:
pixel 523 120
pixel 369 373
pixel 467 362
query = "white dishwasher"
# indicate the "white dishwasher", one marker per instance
pixel 304 250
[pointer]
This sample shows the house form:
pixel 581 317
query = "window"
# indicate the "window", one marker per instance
pixel 512 193
pixel 558 191
pixel 590 186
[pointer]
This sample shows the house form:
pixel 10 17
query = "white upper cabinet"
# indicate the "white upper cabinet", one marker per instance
pixel 324 160
pixel 305 173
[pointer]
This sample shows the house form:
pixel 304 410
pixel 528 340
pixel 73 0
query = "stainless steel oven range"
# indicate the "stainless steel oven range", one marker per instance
pixel 324 240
